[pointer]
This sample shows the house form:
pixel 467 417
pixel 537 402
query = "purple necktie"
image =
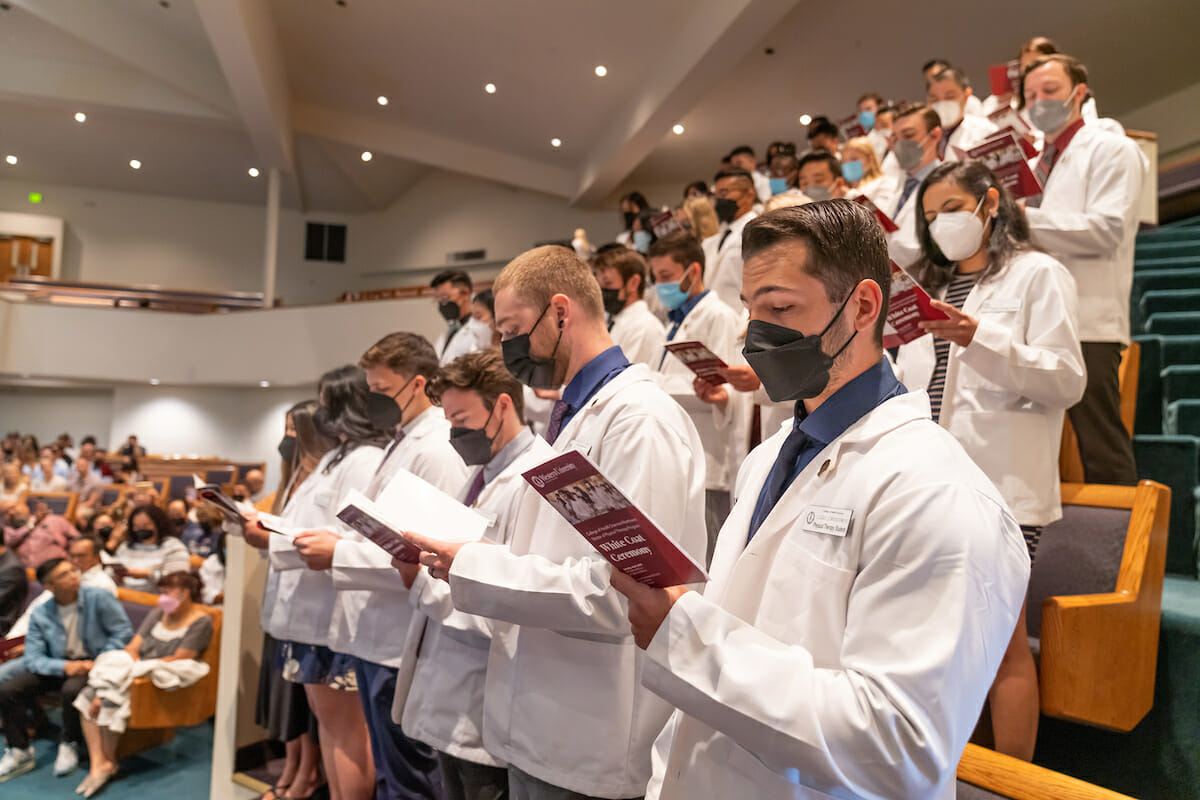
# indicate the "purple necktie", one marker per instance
pixel 475 490
pixel 556 420
pixel 399 437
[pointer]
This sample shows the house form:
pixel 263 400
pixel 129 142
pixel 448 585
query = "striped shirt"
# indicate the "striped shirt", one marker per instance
pixel 956 295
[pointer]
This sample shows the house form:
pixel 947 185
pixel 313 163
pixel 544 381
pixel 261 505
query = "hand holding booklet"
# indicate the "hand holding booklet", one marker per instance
pixel 908 306
pixel 409 503
pixel 699 359
pixel 618 529
pixel 231 509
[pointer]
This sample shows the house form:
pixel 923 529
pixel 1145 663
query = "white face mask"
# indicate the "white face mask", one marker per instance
pixel 958 234
pixel 948 111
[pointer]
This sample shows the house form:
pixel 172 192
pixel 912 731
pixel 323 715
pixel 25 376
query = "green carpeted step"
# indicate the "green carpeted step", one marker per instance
pixel 1182 418
pixel 1180 382
pixel 1160 300
pixel 1157 279
pixel 1173 323
pixel 1169 262
pixel 1148 418
pixel 1149 248
pixel 1180 350
pixel 1174 461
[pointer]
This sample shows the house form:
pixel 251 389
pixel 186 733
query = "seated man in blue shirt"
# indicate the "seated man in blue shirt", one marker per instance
pixel 63 639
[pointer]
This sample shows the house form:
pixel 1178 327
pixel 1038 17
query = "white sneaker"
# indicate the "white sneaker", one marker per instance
pixel 16 761
pixel 67 760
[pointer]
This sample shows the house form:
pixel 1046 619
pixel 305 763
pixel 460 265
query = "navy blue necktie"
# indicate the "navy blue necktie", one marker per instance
pixel 781 476
pixel 910 183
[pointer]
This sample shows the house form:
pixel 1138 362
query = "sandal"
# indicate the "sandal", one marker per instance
pixel 276 792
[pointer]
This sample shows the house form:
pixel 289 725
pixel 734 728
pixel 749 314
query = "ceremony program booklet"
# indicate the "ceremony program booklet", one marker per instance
pixel 10 644
pixel 1003 155
pixel 1005 78
pixel 851 128
pixel 231 509
pixel 908 305
pixel 884 219
pixel 700 360
pixel 619 531
pixel 409 503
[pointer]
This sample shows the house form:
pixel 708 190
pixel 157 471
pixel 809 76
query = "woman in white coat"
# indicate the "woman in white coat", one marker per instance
pixel 303 607
pixel 1000 373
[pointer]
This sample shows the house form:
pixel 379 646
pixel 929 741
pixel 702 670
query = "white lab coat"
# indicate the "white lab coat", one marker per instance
pixel 1006 392
pixel 974 107
pixel 762 186
pixel 826 665
pixel 903 247
pixel 1088 220
pixel 880 142
pixel 563 700
pixel 304 598
pixel 472 336
pixel 440 685
pixel 725 433
pixel 723 262
pixel 971 132
pixel 638 333
pixel 371 614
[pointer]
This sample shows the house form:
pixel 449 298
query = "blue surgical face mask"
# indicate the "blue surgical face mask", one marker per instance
pixel 852 171
pixel 866 119
pixel 778 185
pixel 672 294
pixel 641 241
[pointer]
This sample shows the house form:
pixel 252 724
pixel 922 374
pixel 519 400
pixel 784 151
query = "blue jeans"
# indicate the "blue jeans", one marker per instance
pixel 404 769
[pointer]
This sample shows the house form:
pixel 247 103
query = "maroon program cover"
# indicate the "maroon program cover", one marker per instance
pixel 908 305
pixel 700 360
pixel 884 220
pixel 611 523
pixel 1003 155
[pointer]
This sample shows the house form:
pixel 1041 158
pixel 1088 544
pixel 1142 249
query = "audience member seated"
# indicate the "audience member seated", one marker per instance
pixel 200 535
pixel 212 573
pixel 14 588
pixel 40 537
pixel 151 550
pixel 64 639
pixel 256 482
pixel 86 482
pixel 131 448
pixel 87 449
pixel 179 630
pixel 14 485
pixel 177 513
pixel 84 553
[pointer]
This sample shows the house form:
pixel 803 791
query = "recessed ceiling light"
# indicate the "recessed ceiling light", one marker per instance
pixel 383 101
pixel 676 129
pixel 366 155
pixel 135 164
pixel 155 381
pixel 490 88
pixel 556 142
pixel 264 384
pixel 253 172
pixel 80 116
pixel 11 159
pixel 805 119
pixel 601 71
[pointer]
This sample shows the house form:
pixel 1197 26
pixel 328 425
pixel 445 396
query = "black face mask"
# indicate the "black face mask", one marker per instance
pixel 287 448
pixel 630 216
pixel 534 372
pixel 790 365
pixel 383 410
pixel 241 498
pixel 473 444
pixel 106 531
pixel 141 535
pixel 726 209
pixel 449 311
pixel 612 301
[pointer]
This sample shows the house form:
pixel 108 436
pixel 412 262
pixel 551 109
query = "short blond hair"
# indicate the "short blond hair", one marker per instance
pixel 538 274
pixel 703 219
pixel 870 161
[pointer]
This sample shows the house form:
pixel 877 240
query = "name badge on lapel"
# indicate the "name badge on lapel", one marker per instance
pixel 1001 305
pixel 829 521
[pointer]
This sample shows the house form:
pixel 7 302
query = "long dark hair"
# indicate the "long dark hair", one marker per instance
pixel 1008 237
pixel 311 446
pixel 342 416
pixel 162 523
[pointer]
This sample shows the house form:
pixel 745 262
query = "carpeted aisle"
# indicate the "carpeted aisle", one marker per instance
pixel 178 770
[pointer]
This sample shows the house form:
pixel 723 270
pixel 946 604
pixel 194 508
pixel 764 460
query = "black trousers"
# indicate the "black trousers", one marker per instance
pixel 466 780
pixel 1105 447
pixel 18 691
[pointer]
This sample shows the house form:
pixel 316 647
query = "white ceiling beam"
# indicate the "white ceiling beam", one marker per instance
pixel 715 37
pixel 129 39
pixel 423 147
pixel 243 37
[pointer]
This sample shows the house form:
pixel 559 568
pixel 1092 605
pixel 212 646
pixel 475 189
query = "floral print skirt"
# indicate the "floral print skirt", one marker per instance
pixel 313 663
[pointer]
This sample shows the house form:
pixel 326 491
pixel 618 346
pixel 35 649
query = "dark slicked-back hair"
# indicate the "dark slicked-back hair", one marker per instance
pixel 454 277
pixel 844 245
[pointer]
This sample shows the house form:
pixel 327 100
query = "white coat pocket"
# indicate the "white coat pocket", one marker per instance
pixel 804 599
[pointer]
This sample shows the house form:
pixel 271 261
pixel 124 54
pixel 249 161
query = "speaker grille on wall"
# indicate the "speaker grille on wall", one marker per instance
pixel 325 242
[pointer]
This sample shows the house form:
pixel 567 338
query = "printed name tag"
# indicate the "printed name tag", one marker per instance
pixel 1001 305
pixel 488 515
pixel 830 521
pixel 582 447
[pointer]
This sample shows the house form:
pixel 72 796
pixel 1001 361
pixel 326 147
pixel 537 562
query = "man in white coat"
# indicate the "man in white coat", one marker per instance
pixel 563 704
pixel 452 291
pixel 371 615
pixel 947 94
pixel 621 273
pixel 869 577
pixel 1087 218
pixel 440 686
pixel 918 136
pixel 733 200
pixel 696 314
